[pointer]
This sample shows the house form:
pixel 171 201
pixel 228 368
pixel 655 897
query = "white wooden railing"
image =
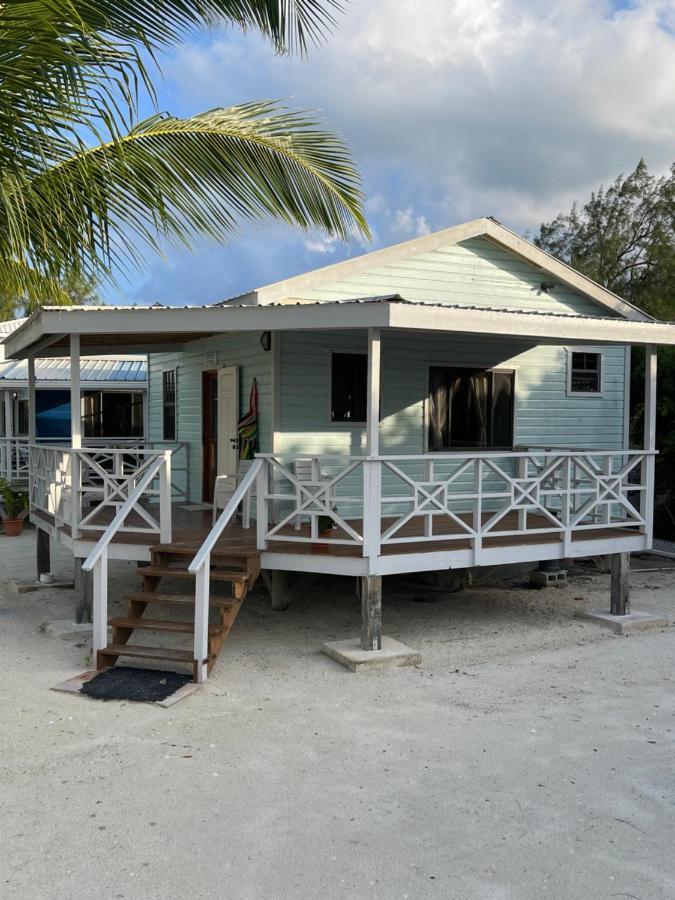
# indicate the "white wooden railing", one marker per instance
pixel 255 479
pixel 97 562
pixel 77 487
pixel 14 458
pixel 446 498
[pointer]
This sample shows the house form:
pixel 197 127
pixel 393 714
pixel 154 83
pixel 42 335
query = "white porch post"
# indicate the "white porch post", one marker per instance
pixel 9 428
pixel 32 430
pixel 371 586
pixel 650 438
pixel 75 434
pixel 371 467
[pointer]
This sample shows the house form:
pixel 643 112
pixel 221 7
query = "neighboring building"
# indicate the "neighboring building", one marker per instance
pixel 113 395
pixel 458 400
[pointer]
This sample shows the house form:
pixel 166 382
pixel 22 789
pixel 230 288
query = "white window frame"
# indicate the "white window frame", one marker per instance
pixel 343 351
pixel 588 395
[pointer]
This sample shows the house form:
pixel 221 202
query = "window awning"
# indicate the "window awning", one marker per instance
pixel 156 329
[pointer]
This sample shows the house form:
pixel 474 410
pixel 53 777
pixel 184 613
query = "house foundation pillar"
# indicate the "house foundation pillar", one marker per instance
pixel 84 594
pixel 620 589
pixel 42 552
pixel 280 590
pixel 371 612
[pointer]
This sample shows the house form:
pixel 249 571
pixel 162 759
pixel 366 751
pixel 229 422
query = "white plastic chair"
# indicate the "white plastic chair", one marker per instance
pixel 225 487
pixel 223 490
pixel 304 470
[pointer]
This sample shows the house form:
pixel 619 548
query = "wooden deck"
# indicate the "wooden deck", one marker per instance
pixel 191 526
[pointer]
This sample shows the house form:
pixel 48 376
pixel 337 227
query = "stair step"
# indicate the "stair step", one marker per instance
pixel 215 574
pixel 230 552
pixel 158 625
pixel 184 656
pixel 181 599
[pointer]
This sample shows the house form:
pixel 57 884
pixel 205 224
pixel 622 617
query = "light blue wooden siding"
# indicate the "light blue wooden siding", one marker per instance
pixel 474 272
pixel 544 413
pixel 242 350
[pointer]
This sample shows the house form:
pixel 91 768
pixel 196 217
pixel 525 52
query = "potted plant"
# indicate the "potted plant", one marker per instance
pixel 14 508
pixel 326 526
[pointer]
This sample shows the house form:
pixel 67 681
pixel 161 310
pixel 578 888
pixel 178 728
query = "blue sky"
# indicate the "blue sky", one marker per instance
pixel 510 108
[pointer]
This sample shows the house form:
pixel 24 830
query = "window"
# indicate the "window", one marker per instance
pixel 585 372
pixel 470 408
pixel 112 414
pixel 349 387
pixel 169 405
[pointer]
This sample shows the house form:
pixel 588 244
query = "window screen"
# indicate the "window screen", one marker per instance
pixel 470 409
pixel 169 405
pixel 349 387
pixel 586 375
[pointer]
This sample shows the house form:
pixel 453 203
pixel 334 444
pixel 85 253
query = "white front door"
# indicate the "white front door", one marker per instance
pixel 228 417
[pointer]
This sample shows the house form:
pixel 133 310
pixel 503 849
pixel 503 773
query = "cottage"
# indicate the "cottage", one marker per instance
pixel 458 400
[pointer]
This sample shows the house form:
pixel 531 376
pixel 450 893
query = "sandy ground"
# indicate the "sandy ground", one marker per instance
pixel 529 756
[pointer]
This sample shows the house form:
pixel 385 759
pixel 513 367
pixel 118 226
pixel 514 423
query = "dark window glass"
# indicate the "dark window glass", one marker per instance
pixel 349 387
pixel 470 409
pixel 586 373
pixel 169 405
pixel 112 414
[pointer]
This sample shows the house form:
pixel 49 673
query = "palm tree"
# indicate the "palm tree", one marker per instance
pixel 86 188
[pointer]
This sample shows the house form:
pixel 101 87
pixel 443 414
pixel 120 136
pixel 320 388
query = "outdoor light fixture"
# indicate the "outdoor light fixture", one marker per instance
pixel 266 341
pixel 546 286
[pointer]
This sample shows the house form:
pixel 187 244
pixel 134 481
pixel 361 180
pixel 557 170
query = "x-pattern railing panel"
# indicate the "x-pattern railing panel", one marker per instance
pixel 313 498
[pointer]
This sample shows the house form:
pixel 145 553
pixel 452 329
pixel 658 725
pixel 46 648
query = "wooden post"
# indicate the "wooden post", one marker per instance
pixel 83 594
pixel 620 588
pixel 42 555
pixel 371 612
pixel 280 590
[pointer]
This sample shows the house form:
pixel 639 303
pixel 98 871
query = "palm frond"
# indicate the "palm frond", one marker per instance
pixel 177 179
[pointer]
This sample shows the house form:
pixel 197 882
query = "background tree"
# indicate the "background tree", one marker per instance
pixel 624 238
pixel 86 188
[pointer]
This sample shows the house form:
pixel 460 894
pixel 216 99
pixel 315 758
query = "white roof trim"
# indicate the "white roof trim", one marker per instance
pixel 484 227
pixel 90 322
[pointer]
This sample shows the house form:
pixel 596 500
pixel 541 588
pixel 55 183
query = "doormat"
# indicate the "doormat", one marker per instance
pixel 139 685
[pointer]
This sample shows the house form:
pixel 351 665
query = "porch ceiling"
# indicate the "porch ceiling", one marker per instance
pixel 153 329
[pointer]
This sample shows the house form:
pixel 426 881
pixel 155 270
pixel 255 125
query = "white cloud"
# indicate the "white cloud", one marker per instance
pixel 321 244
pixel 506 107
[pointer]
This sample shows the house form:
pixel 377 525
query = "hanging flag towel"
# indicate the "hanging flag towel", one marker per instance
pixel 248 426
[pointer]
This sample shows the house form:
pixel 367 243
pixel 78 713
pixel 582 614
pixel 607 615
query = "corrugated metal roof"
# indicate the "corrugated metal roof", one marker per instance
pixel 99 369
pixel 10 326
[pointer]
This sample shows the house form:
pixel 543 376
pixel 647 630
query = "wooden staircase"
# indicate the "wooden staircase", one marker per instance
pixel 233 565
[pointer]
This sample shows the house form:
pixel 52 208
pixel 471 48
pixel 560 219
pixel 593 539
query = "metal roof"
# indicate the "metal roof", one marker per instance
pixel 10 325
pixel 100 370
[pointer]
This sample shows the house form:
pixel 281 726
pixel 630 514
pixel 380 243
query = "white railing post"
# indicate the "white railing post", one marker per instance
pixel 201 634
pixel 100 590
pixel 566 505
pixel 165 531
pixel 522 474
pixel 372 507
pixel 649 441
pixel 478 510
pixel 261 506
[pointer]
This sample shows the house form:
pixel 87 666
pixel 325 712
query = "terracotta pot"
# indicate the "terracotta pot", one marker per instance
pixel 13 527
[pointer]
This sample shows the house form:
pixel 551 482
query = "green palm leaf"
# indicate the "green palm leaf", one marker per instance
pixel 85 190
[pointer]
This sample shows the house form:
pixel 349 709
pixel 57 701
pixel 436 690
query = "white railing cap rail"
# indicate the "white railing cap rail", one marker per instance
pixel 227 513
pixel 455 455
pixel 122 513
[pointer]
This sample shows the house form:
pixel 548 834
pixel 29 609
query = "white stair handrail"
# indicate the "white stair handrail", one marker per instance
pixel 124 510
pixel 200 567
pixel 223 519
pixel 98 558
